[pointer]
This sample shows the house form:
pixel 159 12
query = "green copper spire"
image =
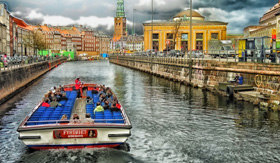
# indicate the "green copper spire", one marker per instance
pixel 120 9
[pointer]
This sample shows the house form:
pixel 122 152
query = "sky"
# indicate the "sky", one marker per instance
pixel 100 14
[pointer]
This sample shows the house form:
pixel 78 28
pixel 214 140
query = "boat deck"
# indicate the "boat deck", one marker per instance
pixel 44 115
pixel 79 108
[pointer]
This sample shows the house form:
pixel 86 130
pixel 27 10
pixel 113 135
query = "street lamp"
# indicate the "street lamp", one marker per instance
pixel 133 30
pixel 152 23
pixel 190 29
pixel 190 62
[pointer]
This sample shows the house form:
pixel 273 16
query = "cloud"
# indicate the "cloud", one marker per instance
pixel 237 19
pixel 36 17
pixel 238 13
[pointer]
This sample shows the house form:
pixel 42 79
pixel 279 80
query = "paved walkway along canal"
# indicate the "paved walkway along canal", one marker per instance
pixel 171 122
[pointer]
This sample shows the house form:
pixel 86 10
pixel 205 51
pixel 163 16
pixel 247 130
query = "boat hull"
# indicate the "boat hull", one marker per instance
pixel 44 129
pixel 46 139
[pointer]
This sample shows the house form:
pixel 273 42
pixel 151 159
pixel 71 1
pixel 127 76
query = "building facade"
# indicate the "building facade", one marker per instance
pixel 135 43
pixel 120 29
pixel 5 28
pixel 23 38
pixel 175 34
pixel 18 37
pixel 268 22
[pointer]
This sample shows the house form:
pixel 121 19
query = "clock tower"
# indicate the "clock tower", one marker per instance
pixel 120 21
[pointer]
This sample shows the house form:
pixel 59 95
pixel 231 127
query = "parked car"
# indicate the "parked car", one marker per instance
pixel 175 53
pixel 161 54
pixel 143 53
pixel 151 52
pixel 196 54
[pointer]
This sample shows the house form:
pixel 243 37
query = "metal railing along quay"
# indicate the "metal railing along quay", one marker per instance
pixel 268 56
pixel 13 63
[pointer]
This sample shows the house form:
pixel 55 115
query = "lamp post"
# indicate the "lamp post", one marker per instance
pixel 133 30
pixel 152 24
pixel 190 62
pixel 190 29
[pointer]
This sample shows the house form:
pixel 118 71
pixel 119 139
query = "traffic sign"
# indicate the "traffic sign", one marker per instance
pixel 167 42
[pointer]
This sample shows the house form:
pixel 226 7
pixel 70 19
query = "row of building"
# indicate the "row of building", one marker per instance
pixel 269 26
pixel 18 37
pixel 175 33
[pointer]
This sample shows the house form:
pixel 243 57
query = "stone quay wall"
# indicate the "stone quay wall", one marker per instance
pixel 207 74
pixel 15 80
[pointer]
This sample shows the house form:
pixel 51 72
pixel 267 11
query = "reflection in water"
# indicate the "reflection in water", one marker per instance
pixel 171 122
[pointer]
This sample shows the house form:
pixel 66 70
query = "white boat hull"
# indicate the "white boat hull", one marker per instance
pixel 44 138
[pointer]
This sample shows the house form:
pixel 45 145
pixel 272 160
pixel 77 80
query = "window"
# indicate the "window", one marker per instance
pixel 185 36
pixel 169 35
pixel 155 36
pixel 214 36
pixel 199 36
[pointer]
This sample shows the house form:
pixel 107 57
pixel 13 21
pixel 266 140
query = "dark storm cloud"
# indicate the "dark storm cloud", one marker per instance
pixel 219 10
pixel 230 5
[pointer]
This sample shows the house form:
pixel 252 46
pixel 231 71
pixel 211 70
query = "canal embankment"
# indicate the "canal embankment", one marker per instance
pixel 12 81
pixel 214 76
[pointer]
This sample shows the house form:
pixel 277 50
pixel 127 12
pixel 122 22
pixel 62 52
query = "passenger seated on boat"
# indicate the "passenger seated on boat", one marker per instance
pixel 98 108
pixel 102 98
pixel 118 105
pixel 94 91
pixel 61 89
pixel 49 94
pixel 109 99
pixel 57 92
pixel 46 97
pixel 103 87
pixel 108 92
pixel 101 91
pixel 114 108
pixel 54 103
pixel 46 103
pixel 76 118
pixel 115 99
pixel 89 100
pixel 88 119
pixel 63 97
pixel 54 89
pixel 64 119
pixel 106 105
pixel 52 97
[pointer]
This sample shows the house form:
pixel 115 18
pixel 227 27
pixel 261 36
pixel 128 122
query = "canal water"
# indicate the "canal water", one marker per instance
pixel 171 122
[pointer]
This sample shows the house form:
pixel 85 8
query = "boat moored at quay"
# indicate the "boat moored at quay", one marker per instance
pixel 44 129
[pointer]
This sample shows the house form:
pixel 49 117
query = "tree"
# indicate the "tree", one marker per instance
pixel 35 39
pixel 175 32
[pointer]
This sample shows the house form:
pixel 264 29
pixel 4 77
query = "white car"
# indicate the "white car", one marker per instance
pixel 196 54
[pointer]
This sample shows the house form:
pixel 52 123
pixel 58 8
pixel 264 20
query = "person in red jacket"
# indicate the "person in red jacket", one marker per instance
pixel 118 105
pixel 46 104
pixel 78 86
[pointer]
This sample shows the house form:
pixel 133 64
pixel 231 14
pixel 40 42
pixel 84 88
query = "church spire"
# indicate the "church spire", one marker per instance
pixel 120 9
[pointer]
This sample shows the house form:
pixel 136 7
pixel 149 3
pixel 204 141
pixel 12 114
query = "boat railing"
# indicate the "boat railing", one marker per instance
pixel 31 123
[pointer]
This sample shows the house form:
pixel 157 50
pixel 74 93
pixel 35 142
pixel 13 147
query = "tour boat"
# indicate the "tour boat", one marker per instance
pixel 44 129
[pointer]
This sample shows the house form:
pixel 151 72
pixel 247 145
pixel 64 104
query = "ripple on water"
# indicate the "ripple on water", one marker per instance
pixel 171 122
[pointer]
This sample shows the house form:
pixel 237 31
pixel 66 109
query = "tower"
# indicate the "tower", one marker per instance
pixel 120 21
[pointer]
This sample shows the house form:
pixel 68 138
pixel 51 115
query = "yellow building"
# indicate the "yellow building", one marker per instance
pixel 175 34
